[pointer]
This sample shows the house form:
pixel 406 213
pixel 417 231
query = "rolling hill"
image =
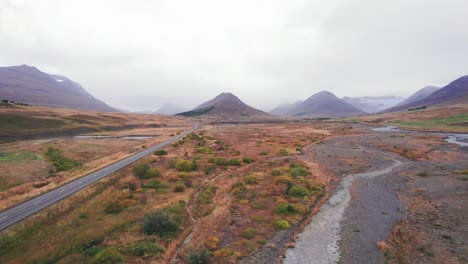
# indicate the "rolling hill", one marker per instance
pixel 324 104
pixel 225 104
pixel 29 85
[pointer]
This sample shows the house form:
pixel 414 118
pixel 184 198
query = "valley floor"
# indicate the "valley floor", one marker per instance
pixel 241 193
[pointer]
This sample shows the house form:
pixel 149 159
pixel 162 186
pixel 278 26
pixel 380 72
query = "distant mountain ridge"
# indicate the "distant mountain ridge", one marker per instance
pixel 453 93
pixel 29 85
pixel 370 104
pixel 225 104
pixel 324 104
pixel 419 95
pixel 284 109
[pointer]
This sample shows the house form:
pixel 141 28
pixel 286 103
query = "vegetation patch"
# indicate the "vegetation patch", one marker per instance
pixel 60 162
pixel 165 222
pixel 18 157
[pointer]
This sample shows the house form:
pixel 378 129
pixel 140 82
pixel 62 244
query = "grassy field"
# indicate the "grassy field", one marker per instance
pixel 212 176
pixel 454 121
pixel 453 118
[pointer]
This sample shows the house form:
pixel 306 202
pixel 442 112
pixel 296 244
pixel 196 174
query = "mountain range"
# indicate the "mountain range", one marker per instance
pixel 29 85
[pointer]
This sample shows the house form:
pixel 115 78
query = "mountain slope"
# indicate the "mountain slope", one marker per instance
pixel 284 109
pixel 225 104
pixel 29 85
pixel 453 93
pixel 324 104
pixel 419 95
pixel 370 104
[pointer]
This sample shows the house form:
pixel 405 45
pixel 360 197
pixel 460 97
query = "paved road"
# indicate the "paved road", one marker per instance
pixel 19 212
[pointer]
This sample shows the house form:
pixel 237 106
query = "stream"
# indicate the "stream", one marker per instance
pixel 454 138
pixel 319 242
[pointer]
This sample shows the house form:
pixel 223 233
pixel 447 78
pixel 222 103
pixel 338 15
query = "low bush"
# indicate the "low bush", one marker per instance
pixel 212 242
pixel 298 191
pixel 186 165
pixel 247 160
pixel 262 241
pixel 145 249
pixel 113 207
pixel 160 152
pixel 283 179
pixel 222 162
pixel 251 179
pixel 263 153
pixel 283 152
pixel 298 171
pixel 199 255
pixel 205 150
pixel 281 224
pixel 108 255
pixel 285 209
pixel 234 162
pixel 299 208
pixel 222 253
pixel 258 218
pixel 159 223
pixel 279 171
pixel 249 233
pixel 180 187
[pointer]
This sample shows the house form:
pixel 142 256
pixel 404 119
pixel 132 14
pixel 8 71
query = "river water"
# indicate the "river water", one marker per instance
pixel 454 138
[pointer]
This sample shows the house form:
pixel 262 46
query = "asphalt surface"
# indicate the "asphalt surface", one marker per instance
pixel 20 212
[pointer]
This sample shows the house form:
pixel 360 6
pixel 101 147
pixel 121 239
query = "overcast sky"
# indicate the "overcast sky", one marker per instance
pixel 140 54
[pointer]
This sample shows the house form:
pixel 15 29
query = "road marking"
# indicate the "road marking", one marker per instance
pixel 3 218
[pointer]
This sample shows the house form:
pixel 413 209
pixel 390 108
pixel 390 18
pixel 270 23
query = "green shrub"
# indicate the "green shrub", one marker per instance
pixel 249 233
pixel 279 171
pixel 283 152
pixel 160 152
pixel 159 223
pixel 234 162
pixel 180 187
pixel 145 249
pixel 262 241
pixel 205 150
pixel 113 207
pixel 222 162
pixel 186 165
pixel 263 153
pixel 209 170
pixel 140 170
pixel 298 171
pixel 281 224
pixel 251 179
pixel 199 255
pixel 143 171
pixel 298 191
pixel 285 209
pixel 108 255
pixel 247 160
pixel 60 162
pixel 152 173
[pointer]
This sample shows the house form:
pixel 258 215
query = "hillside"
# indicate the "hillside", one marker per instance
pixel 371 104
pixel 324 104
pixel 453 93
pixel 29 85
pixel 225 104
pixel 419 95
